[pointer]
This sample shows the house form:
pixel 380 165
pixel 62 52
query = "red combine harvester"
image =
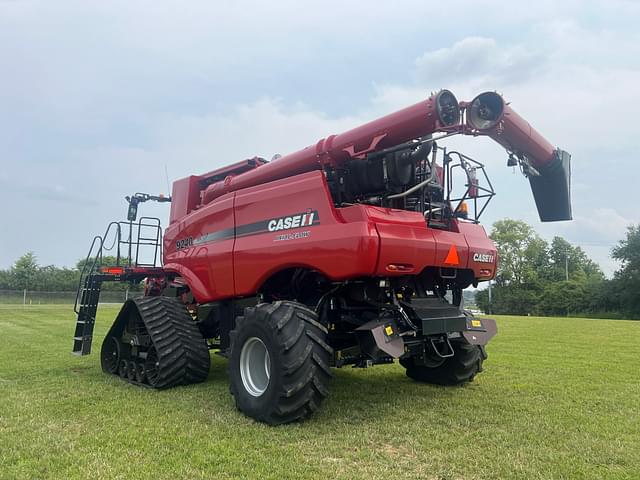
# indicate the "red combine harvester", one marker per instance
pixel 353 251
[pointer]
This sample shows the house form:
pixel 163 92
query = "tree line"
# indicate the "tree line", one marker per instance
pixel 541 278
pixel 27 274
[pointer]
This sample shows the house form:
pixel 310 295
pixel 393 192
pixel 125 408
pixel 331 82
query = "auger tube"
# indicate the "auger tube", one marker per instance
pixel 436 113
pixel 547 168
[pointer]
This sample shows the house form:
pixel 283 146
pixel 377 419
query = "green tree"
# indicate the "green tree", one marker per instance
pixel 531 276
pixel 5 280
pixel 24 272
pixel 523 254
pixel 509 300
pixel 565 258
pixel 106 261
pixel 54 278
pixel 626 282
pixel 563 298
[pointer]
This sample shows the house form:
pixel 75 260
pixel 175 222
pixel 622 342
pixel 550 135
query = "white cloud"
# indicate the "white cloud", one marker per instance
pixel 97 98
pixel 477 61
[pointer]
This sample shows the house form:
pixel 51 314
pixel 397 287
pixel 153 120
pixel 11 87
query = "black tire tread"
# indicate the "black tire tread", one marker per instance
pixel 457 370
pixel 306 360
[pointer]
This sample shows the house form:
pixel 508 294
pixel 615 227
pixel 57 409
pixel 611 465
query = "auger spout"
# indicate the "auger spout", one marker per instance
pixel 547 168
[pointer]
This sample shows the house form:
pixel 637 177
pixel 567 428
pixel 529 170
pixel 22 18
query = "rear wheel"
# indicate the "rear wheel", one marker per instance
pixel 462 368
pixel 279 363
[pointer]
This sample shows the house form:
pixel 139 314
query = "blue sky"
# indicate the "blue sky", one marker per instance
pixel 97 97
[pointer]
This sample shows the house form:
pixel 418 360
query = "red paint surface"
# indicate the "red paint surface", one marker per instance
pixel 351 242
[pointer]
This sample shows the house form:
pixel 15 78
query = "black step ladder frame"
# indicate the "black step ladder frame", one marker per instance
pixel 92 277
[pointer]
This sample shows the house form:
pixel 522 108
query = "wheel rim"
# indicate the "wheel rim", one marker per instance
pixel 140 373
pixel 123 369
pixel 131 373
pixel 255 366
pixel 111 355
pixel 152 366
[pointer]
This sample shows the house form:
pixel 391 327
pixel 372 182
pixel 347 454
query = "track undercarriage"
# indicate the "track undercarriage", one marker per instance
pixel 154 342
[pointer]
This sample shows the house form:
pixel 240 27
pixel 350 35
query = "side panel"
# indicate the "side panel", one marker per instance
pixel 184 197
pixel 200 248
pixel 406 240
pixel 420 247
pixel 292 223
pixel 483 255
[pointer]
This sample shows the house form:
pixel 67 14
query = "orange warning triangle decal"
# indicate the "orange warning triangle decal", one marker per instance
pixel 452 256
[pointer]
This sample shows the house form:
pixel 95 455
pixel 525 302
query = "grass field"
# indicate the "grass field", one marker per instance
pixel 559 398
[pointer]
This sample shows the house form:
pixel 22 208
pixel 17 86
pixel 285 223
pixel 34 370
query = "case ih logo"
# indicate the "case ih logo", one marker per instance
pixel 310 217
pixel 483 258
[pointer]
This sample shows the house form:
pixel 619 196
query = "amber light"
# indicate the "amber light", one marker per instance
pixel 399 267
pixel 462 211
pixel 113 270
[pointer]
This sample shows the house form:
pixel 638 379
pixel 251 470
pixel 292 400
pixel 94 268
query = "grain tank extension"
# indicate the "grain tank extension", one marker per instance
pixel 352 251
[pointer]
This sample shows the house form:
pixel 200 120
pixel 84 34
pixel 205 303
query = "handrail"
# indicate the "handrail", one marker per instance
pixel 96 252
pixel 98 257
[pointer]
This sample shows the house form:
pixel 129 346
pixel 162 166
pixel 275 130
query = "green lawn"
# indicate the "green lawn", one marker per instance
pixel 559 398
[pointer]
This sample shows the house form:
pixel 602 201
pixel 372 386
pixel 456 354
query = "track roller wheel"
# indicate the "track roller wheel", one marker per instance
pixel 151 365
pixel 141 375
pixel 131 371
pixel 110 355
pixel 123 369
pixel 279 362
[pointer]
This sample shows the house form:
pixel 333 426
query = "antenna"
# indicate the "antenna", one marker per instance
pixel 166 175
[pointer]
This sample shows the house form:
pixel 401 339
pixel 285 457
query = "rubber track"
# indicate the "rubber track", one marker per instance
pixel 183 355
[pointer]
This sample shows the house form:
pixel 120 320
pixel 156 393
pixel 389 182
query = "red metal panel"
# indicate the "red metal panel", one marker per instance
pixel 205 254
pixel 404 245
pixel 444 242
pixel 337 249
pixel 185 196
pixel 406 240
pixel 483 255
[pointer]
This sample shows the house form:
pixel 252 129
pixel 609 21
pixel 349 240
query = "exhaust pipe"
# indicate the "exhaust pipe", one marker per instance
pixel 547 168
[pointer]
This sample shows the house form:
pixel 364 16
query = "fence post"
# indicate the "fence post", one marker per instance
pixel 24 297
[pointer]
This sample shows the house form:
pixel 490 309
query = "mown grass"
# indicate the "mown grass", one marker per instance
pixel 559 398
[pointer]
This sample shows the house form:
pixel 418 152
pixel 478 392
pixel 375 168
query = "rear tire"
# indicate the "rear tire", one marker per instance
pixel 279 363
pixel 457 370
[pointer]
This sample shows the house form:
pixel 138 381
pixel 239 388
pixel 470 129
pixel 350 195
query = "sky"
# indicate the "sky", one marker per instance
pixel 99 99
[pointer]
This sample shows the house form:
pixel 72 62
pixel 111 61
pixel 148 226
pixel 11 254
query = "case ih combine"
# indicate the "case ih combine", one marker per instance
pixel 353 251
